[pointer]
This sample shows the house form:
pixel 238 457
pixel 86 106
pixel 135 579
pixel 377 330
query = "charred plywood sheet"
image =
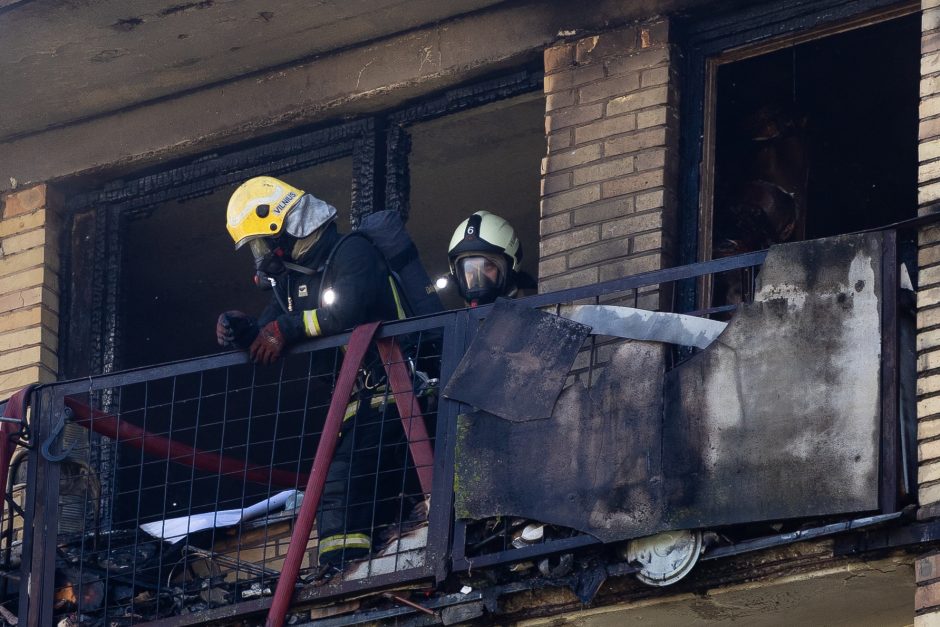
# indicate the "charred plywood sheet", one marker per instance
pixel 517 364
pixel 593 465
pixel 778 418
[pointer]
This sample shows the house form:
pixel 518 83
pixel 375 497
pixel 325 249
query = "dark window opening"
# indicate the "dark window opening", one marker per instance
pixel 180 269
pixel 151 265
pixel 815 139
pixel 486 158
pixel 175 269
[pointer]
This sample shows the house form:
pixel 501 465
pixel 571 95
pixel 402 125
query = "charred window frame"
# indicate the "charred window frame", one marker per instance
pixel 398 139
pixel 93 237
pixel 93 330
pixel 711 40
pixel 92 242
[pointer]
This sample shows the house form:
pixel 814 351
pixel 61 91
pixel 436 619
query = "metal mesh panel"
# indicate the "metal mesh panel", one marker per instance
pixel 200 464
pixel 210 467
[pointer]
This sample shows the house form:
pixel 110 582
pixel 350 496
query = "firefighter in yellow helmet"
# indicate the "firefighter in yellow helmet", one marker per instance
pixel 322 284
pixel 291 234
pixel 484 255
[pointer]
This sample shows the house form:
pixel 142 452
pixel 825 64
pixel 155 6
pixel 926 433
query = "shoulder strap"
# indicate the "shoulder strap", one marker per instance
pixel 298 268
pixel 329 260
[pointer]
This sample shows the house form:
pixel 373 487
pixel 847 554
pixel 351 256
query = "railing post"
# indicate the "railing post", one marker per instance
pixel 41 524
pixel 890 432
pixel 440 516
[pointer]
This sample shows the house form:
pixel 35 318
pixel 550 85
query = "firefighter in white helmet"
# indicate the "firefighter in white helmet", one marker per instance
pixel 484 255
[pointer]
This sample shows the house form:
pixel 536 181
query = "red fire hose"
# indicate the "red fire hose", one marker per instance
pixel 358 345
pixel 16 408
pixel 159 446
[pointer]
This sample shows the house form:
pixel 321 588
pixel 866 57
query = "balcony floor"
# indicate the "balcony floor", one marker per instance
pixel 876 593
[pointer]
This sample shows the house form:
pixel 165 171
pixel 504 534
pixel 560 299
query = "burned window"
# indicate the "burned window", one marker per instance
pixel 150 265
pixel 180 269
pixel 811 138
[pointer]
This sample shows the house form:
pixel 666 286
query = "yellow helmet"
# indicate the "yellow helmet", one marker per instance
pixel 258 208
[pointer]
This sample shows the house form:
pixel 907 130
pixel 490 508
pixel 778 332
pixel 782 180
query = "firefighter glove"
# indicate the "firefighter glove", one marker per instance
pixel 235 329
pixel 268 346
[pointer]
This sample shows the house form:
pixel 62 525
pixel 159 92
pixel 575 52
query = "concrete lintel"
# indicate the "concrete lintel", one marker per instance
pixel 353 81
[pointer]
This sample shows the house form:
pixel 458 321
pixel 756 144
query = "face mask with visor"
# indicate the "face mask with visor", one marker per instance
pixel 481 278
pixel 273 255
pixel 268 256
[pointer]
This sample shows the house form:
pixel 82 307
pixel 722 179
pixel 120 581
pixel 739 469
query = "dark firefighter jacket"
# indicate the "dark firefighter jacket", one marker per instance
pixel 358 276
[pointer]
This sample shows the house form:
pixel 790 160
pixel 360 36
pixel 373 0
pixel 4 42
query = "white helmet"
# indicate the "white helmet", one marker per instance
pixel 484 256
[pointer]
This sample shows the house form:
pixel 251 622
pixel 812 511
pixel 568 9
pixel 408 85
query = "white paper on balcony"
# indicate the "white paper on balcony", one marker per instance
pixel 175 529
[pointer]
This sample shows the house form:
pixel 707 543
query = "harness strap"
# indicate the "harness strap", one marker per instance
pixel 399 310
pixel 296 267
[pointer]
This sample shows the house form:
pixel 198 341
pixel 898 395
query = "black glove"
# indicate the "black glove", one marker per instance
pixel 235 329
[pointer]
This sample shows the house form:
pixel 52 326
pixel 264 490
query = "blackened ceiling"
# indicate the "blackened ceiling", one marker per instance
pixel 67 60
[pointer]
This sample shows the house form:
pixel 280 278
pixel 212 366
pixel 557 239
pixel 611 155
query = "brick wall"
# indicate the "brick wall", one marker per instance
pixel 608 202
pixel 928 368
pixel 29 288
pixel 927 568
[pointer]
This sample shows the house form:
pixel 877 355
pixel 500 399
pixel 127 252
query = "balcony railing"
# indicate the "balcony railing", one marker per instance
pixel 169 493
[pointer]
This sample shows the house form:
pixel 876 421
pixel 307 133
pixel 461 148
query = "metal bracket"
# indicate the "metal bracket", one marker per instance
pixel 46 448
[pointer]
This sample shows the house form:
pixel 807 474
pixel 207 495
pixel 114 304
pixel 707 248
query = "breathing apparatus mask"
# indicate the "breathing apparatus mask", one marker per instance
pixel 481 278
pixel 484 255
pixel 269 257
pixel 303 225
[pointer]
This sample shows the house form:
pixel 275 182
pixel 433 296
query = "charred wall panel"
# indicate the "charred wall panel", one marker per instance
pixel 593 465
pixel 76 327
pixel 778 418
